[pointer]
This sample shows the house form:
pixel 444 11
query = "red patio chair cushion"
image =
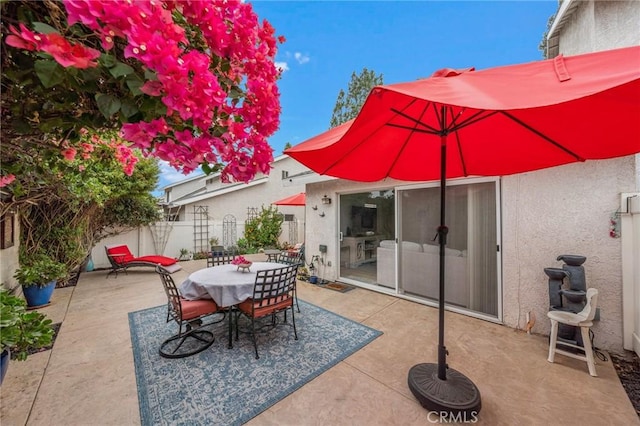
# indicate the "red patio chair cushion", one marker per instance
pixel 121 254
pixel 161 260
pixel 196 308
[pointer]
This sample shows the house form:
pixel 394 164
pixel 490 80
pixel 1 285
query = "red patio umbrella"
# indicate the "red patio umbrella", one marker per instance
pixel 493 122
pixel 294 200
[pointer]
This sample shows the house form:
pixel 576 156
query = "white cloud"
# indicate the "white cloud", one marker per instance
pixel 169 175
pixel 282 66
pixel 301 58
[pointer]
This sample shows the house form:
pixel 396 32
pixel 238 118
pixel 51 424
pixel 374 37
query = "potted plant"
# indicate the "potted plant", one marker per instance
pixel 184 254
pixel 20 330
pixel 38 276
pixel 213 241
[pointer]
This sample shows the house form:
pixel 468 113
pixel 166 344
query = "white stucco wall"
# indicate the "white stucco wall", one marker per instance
pixel 601 25
pixel 596 26
pixel 238 201
pixel 9 259
pixel 564 210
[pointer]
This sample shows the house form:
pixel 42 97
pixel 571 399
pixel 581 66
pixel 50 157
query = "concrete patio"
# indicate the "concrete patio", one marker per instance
pixel 88 377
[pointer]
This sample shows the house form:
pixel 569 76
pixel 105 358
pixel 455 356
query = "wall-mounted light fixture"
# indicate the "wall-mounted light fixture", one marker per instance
pixel 321 214
pixel 314 208
pixel 326 200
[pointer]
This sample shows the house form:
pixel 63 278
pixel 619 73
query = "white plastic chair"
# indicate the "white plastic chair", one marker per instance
pixel 584 320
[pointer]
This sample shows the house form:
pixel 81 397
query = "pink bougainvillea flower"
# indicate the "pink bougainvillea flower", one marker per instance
pixel 152 88
pixel 24 39
pixel 68 55
pixel 6 180
pixel 69 154
pixel 227 82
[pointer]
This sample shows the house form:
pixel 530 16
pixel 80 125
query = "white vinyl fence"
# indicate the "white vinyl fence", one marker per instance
pixel 168 238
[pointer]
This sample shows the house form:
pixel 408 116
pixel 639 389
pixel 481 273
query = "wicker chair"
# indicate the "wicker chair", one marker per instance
pixel 272 293
pixel 191 338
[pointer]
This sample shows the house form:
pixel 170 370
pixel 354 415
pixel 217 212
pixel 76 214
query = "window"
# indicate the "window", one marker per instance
pixel 285 174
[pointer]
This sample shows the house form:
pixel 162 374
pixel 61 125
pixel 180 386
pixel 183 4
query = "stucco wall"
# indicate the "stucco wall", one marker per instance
pixel 238 201
pixel 564 210
pixel 601 25
pixel 9 260
pixel 596 26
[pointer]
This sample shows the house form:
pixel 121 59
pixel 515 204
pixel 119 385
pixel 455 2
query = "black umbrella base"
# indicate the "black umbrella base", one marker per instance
pixel 456 398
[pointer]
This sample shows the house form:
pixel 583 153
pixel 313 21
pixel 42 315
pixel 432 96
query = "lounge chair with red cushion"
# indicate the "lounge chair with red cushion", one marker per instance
pixel 121 258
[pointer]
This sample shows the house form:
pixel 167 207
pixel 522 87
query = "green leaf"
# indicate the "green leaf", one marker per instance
pixel 107 60
pixel 49 73
pixel 50 125
pixel 134 84
pixel 121 69
pixel 150 75
pixel 21 126
pixel 206 169
pixel 90 74
pixel 41 27
pixel 107 104
pixel 128 109
pixel 235 92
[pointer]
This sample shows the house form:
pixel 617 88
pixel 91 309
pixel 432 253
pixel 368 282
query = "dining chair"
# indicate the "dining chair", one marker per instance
pixel 216 258
pixel 292 258
pixel 272 293
pixel 188 314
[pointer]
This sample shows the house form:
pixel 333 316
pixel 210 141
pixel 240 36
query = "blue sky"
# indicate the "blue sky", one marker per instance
pixel 403 40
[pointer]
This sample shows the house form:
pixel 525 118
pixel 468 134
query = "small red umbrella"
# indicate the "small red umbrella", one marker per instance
pixel 294 200
pixel 493 122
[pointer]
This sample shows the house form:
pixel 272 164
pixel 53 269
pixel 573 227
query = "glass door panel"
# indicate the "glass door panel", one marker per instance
pixel 366 219
pixel 470 253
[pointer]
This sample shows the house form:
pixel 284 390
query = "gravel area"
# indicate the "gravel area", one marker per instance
pixel 628 369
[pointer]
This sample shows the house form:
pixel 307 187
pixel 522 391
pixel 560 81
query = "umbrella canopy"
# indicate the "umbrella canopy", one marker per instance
pixel 294 200
pixel 499 121
pixel 494 122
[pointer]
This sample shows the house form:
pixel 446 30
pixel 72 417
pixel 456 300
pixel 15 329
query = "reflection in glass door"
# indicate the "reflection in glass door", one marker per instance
pixel 366 220
pixel 470 255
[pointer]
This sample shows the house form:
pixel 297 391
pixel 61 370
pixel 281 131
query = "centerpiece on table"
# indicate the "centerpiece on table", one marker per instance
pixel 242 263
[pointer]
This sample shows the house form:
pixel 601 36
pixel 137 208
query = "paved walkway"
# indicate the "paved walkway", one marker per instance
pixel 88 377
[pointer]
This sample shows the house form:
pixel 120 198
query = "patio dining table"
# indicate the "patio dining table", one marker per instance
pixel 227 285
pixel 272 254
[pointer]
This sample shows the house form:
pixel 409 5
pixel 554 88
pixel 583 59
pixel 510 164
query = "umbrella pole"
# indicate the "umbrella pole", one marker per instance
pixel 435 386
pixel 442 240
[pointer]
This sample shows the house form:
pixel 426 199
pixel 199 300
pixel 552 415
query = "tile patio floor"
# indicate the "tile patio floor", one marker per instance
pixel 88 377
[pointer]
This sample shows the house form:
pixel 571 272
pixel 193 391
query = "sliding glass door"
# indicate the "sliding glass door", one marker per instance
pixel 408 263
pixel 471 259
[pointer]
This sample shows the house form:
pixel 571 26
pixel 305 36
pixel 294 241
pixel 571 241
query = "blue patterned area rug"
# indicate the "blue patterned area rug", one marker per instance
pixel 223 386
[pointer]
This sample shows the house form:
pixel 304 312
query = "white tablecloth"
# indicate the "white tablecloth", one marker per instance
pixel 224 283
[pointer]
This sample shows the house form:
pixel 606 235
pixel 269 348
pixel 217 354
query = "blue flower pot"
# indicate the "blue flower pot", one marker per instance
pixel 4 364
pixel 313 279
pixel 89 266
pixel 38 295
